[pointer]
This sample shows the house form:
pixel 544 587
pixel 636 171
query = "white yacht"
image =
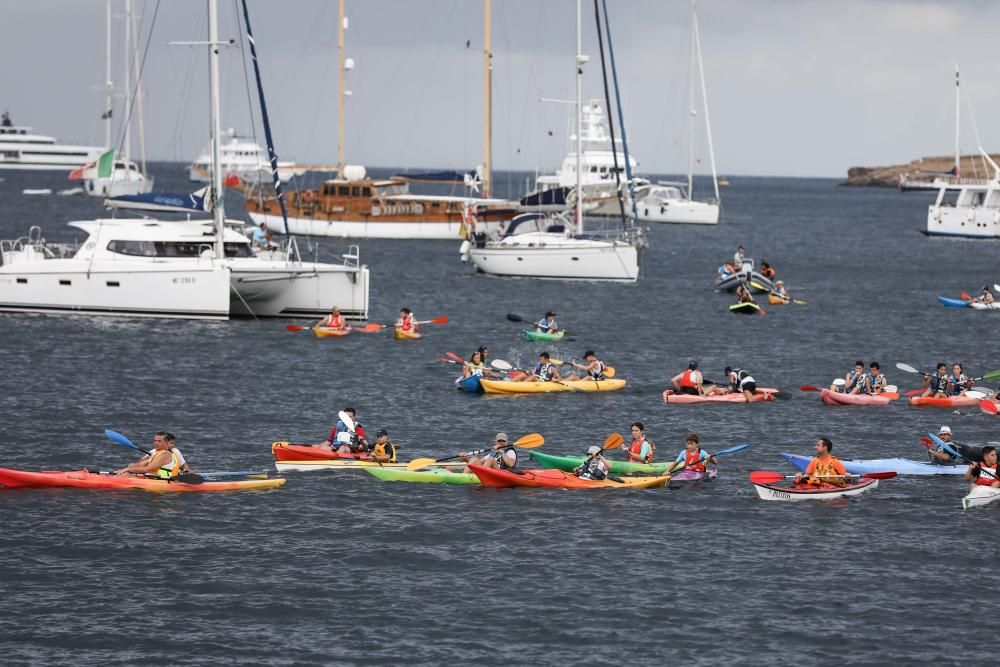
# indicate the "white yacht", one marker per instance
pixel 966 207
pixel 21 148
pixel 241 157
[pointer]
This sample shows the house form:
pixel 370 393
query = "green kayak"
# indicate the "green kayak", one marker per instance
pixel 568 463
pixel 532 335
pixel 437 476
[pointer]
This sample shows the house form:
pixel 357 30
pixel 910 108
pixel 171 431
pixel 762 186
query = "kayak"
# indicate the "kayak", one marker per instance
pixel 284 451
pixel 508 387
pixel 759 395
pixel 570 463
pixel 980 495
pixel 557 479
pixel 341 464
pixel 531 335
pixel 898 466
pixel 776 300
pixel 439 476
pixel 469 384
pixel 795 492
pixel 326 332
pixel 747 308
pixel 399 334
pixel 979 305
pixel 944 402
pixel 838 398
pixel 691 476
pixel 953 303
pixel 83 479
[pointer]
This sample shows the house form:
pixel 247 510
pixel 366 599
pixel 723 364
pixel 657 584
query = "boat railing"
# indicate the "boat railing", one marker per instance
pixel 352 257
pixel 34 246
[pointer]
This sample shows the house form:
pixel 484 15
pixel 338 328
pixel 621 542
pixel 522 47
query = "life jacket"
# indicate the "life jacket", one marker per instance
pixel 745 379
pixel 957 383
pixel 854 380
pixel 545 325
pixel 476 369
pixel 388 449
pixel 823 472
pixel 544 372
pixel 597 373
pixel 334 321
pixel 734 379
pixel 695 460
pixel 686 380
pixel 939 383
pixel 984 479
pixel 635 451
pixel 171 469
pixel 502 461
pixel 877 384
pixel 781 292
pixel 594 469
pixel 406 322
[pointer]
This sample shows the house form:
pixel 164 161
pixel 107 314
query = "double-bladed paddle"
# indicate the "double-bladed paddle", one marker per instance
pixel 119 439
pixel 721 452
pixel 957 454
pixel 530 441
pixel 505 366
pixel 368 328
pixel 768 477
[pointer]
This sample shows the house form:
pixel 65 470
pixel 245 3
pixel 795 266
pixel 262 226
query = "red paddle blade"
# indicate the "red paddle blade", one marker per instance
pixel 809 387
pixel 966 296
pixel 439 320
pixel 765 477
pixel 914 392
pixel 926 442
pixel 294 327
pixel 371 328
pixel 986 405
pixel 452 355
pixel 891 395
pixel 762 311
pixel 879 475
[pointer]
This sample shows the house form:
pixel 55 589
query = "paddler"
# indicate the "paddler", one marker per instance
pixel 767 271
pixel 544 371
pixel 689 381
pixel 855 382
pixel 547 324
pixel 500 457
pixel 164 461
pixel 407 322
pixel 592 370
pixel 744 294
pixel 985 473
pixel 877 381
pixel 595 467
pixel 825 468
pixel 345 441
pixel 986 296
pixel 332 321
pixel 937 384
pixel 939 455
pixel 781 292
pixel 382 450
pixel 958 381
pixel 693 457
pixel 476 365
pixel 641 450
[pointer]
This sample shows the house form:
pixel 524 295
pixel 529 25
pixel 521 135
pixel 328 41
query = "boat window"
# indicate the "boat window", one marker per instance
pixel 355 192
pixel 366 192
pixel 175 248
pixel 993 201
pixel 329 190
pixel 343 191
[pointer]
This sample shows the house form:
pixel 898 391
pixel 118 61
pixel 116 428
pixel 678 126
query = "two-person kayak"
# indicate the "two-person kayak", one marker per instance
pixel 547 387
pixel 670 396
pixel 84 479
pixel 557 479
pixel 945 401
pixel 435 476
pixel 840 398
pixel 571 463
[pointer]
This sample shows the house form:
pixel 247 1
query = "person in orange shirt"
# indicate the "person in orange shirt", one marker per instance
pixel 825 469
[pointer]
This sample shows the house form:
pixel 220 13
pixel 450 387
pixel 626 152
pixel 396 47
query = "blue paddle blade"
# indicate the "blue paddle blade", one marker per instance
pixel 945 446
pixel 731 450
pixel 119 439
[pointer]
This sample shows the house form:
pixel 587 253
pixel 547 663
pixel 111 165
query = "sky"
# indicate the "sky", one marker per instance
pixel 795 87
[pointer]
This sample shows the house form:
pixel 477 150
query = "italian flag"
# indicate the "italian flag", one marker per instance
pixel 104 164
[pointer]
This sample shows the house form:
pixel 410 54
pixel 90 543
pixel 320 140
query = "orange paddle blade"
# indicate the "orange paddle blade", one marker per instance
pixel 610 372
pixel 294 327
pixel 986 405
pixel 891 395
pixel 809 387
pixel 614 440
pixel 371 328
pixel 530 441
pixel 439 320
pixel 452 355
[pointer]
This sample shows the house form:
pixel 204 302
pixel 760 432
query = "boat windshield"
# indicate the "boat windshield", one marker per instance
pixel 534 222
pixel 175 248
pixel 392 190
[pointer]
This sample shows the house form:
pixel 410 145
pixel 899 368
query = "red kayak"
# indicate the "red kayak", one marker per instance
pixel 759 395
pixel 944 402
pixel 557 479
pixel 838 398
pixel 284 451
pixel 82 479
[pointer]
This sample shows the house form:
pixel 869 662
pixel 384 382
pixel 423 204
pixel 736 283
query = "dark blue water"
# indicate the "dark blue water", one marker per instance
pixel 343 569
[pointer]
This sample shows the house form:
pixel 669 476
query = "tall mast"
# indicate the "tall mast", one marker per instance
pixel 704 103
pixel 341 86
pixel 580 60
pixel 134 48
pixel 691 110
pixel 487 103
pixel 127 149
pixel 219 209
pixel 108 85
pixel 957 115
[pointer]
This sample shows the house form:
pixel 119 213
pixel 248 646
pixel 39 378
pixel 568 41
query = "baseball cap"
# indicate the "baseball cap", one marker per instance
pixel 593 449
pixel 944 429
pixel 501 436
pixel 381 432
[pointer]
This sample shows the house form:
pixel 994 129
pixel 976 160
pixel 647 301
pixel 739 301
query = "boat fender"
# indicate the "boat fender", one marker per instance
pixel 971 215
pixel 463 251
pixel 996 218
pixel 936 213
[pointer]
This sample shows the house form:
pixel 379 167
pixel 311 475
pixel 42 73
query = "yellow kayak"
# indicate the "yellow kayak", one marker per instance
pixel 775 300
pixel 406 335
pixel 326 332
pixel 508 387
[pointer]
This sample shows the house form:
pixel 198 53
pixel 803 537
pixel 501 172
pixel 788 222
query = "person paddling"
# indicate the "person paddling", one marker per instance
pixel 544 371
pixel 345 441
pixel 641 450
pixel 164 462
pixel 547 324
pixel 689 381
pixel 985 473
pixel 592 370
pixel 501 456
pixel 825 468
pixel 939 455
pixel 332 321
pixel 476 365
pixel 407 321
pixel 693 457
pixel 383 451
pixel 958 381
pixel 595 467
pixel 744 295
pixel 877 381
pixel 781 292
pixel 986 297
pixel 937 384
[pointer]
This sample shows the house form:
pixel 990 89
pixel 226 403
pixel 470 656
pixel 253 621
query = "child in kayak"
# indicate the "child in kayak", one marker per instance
pixel 346 441
pixel 547 324
pixel 383 451
pixel 692 457
pixel 937 384
pixel 877 381
pixel 595 467
pixel 476 365
pixel 500 457
pixel 744 295
pixel 592 370
pixel 640 450
pixel 825 469
pixel 544 371
pixel 958 381
pixel 985 473
pixel 407 321
pixel 855 382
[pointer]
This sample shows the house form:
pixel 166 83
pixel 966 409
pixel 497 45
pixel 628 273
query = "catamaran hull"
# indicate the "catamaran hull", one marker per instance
pixel 374 228
pixel 607 261
pixel 299 290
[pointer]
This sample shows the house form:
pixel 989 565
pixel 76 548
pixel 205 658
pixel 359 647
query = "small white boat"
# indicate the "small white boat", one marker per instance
pixel 791 493
pixel 980 495
pixel 36 191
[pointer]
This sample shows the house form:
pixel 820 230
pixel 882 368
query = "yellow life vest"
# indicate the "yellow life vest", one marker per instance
pixel 170 470
pixel 388 449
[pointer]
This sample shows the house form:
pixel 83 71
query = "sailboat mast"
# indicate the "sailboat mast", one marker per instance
pixel 218 209
pixel 134 48
pixel 127 149
pixel 957 117
pixel 109 86
pixel 704 104
pixel 691 110
pixel 341 87
pixel 580 60
pixel 487 102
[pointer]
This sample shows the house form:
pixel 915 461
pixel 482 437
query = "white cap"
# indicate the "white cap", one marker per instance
pixel 593 449
pixel 944 429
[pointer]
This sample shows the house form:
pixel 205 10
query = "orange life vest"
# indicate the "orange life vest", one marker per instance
pixel 692 460
pixel 686 380
pixel 635 451
pixel 334 322
pixel 984 479
pixel 406 322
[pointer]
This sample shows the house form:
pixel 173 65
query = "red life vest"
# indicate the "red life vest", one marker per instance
pixel 635 451
pixel 334 322
pixel 406 322
pixel 985 479
pixel 692 461
pixel 686 380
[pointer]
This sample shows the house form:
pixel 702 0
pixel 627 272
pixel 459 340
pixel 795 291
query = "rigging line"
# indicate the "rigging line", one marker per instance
pixel 611 119
pixel 246 73
pixel 185 85
pixel 621 120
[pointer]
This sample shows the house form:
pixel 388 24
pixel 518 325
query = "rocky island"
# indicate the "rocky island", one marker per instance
pixel 924 169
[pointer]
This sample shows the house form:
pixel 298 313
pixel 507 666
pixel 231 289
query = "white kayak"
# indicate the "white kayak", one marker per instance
pixel 978 305
pixel 980 495
pixel 796 492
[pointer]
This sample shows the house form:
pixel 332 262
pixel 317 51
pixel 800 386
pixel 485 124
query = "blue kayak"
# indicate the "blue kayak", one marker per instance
pixel 953 303
pixel 898 466
pixel 470 384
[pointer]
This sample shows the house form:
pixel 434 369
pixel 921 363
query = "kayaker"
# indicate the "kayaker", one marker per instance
pixel 595 467
pixel 592 370
pixel 501 457
pixel 476 365
pixel 937 384
pixel 746 384
pixel 855 382
pixel 689 381
pixel 825 468
pixel 693 456
pixel 744 294
pixel 407 321
pixel 732 383
pixel 544 371
pixel 958 381
pixel 485 352
pixel 332 321
pixel 767 271
pixel 781 292
pixel 641 450
pixel 547 324
pixel 163 462
pixel 985 473
pixel 986 296
pixel 382 450
pixel 877 381
pixel 939 455
pixel 346 442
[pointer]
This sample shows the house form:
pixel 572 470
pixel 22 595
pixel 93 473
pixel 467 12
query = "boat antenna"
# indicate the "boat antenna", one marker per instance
pixel 611 120
pixel 271 154
pixel 579 62
pixel 621 119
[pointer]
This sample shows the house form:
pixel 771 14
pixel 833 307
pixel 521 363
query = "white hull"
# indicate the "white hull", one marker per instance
pixel 130 290
pixel 683 211
pixel 559 258
pixel 373 229
pixel 979 222
pixel 767 493
pixel 248 173
pixel 291 289
pixel 48 162
pixel 980 495
pixel 118 186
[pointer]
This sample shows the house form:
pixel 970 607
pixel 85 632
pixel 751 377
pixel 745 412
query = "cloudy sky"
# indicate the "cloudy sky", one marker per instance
pixel 796 87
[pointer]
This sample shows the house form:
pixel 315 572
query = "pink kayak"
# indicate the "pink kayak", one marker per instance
pixel 837 398
pixel 759 395
pixel 944 402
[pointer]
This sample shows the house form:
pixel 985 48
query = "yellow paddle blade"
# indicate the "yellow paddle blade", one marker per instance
pixel 610 372
pixel 799 301
pixel 530 441
pixel 417 464
pixel 756 285
pixel 614 440
pixel 557 362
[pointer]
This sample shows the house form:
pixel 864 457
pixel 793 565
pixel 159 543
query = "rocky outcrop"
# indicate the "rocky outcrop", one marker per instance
pixel 920 169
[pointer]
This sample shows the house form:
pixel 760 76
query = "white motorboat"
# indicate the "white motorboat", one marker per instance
pixel 21 148
pixel 966 207
pixel 243 158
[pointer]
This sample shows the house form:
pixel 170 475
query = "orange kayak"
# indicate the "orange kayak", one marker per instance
pixel 83 479
pixel 399 334
pixel 326 332
pixel 284 451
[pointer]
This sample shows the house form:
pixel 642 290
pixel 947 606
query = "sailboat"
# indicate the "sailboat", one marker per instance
pixel 556 246
pixel 353 205
pixel 673 201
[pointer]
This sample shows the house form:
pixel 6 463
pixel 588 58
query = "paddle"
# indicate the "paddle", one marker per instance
pixel 986 405
pixel 721 452
pixel 809 387
pixel 119 439
pixel 954 452
pixel 518 318
pixel 436 320
pixel 530 441
pixel 914 392
pixel 502 365
pixel 965 295
pixel 759 309
pixel 768 477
